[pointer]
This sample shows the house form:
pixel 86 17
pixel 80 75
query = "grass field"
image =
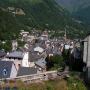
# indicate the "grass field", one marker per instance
pixel 71 83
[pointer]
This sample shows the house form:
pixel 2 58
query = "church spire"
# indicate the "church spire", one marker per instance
pixel 65 35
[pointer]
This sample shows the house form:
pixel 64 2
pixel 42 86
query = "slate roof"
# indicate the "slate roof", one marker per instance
pixel 49 51
pixel 33 56
pixel 54 51
pixel 26 71
pixel 2 54
pixel 5 65
pixel 41 63
pixel 77 53
pixel 15 54
pixel 38 49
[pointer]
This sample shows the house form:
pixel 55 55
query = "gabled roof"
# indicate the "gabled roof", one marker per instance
pixel 15 54
pixel 5 65
pixel 38 49
pixel 41 63
pixel 54 51
pixel 26 71
pixel 76 53
pixel 2 53
pixel 33 56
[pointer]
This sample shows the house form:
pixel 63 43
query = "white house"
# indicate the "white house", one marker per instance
pixel 25 60
pixel 38 49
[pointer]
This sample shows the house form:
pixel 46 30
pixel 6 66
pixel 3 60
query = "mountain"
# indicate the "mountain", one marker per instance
pixel 83 14
pixel 39 14
pixel 8 25
pixel 73 5
pixel 80 9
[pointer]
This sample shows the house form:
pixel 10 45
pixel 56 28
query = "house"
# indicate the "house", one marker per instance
pixel 39 49
pixel 75 59
pixel 44 36
pixel 41 65
pixel 11 9
pixel 16 57
pixel 34 53
pixel 2 54
pixel 76 53
pixel 86 58
pixel 24 35
pixel 67 47
pixel 7 69
pixel 49 52
pixel 14 45
pixel 53 50
pixel 20 11
pixel 33 57
pixel 26 71
pixel 25 60
pixel 19 58
pixel 77 44
pixel 31 38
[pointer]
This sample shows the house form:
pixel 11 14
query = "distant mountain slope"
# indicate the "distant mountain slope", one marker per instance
pixel 80 9
pixel 8 25
pixel 83 14
pixel 39 14
pixel 74 5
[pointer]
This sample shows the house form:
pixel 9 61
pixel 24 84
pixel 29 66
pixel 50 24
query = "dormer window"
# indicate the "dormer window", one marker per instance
pixel 4 72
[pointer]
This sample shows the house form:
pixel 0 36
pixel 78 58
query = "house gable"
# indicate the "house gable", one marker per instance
pixel 5 69
pixel 13 73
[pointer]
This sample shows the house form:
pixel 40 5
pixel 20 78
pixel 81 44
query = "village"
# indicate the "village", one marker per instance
pixel 29 64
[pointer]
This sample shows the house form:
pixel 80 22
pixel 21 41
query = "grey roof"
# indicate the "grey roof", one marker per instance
pixel 41 63
pixel 5 65
pixel 26 71
pixel 76 53
pixel 41 44
pixel 49 51
pixel 54 51
pixel 15 54
pixel 33 56
pixel 2 53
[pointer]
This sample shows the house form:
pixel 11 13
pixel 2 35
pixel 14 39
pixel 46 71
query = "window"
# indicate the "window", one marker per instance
pixel 4 72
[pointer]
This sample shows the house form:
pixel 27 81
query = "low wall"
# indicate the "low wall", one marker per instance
pixel 35 77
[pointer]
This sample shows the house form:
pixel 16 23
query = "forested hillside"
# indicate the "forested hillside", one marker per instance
pixel 83 14
pixel 8 25
pixel 80 9
pixel 38 14
pixel 74 5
